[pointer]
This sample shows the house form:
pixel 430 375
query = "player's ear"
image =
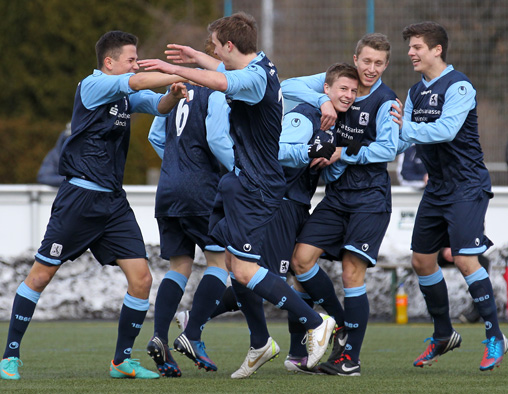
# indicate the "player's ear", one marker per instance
pixel 108 63
pixel 326 88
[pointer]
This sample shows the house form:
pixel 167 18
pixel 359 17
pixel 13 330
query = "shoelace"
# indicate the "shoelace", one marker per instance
pixel 201 345
pixel 14 361
pixel 133 362
pixel 342 358
pixel 491 347
pixel 430 347
pixel 308 339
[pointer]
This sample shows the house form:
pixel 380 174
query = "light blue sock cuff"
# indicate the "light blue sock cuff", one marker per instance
pixel 219 273
pixel 180 279
pixel 26 292
pixel 476 276
pixel 258 277
pixel 355 291
pixel 136 303
pixel 309 274
pixel 430 280
pixel 303 296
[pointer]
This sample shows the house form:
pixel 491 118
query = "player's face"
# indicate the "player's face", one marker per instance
pixel 221 51
pixel 342 93
pixel 370 64
pixel 421 56
pixel 127 61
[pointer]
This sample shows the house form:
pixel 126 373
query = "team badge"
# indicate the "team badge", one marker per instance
pixel 284 266
pixel 433 99
pixel 364 118
pixel 56 250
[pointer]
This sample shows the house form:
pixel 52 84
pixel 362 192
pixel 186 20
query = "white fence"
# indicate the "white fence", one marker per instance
pixel 25 210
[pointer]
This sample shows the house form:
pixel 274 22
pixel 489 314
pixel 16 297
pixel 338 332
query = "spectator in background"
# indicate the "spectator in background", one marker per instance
pixel 411 170
pixel 48 173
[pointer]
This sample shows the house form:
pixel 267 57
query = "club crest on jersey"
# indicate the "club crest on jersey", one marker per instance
pixel 364 118
pixel 113 110
pixel 284 266
pixel 56 250
pixel 434 99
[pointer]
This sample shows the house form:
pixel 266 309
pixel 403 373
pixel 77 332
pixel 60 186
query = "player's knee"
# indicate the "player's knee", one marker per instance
pixel 141 284
pixel 38 282
pixel 300 265
pixel 241 277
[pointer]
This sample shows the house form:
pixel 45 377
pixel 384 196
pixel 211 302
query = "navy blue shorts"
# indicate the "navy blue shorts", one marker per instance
pixel 281 235
pixel 240 217
pixel 460 226
pixel 336 231
pixel 84 219
pixel 180 235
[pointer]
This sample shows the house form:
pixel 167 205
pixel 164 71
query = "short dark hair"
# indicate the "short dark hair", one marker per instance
pixel 376 41
pixel 337 70
pixel 111 43
pixel 240 28
pixel 432 33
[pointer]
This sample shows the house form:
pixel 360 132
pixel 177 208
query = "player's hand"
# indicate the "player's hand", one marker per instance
pixel 325 149
pixel 398 113
pixel 158 65
pixel 178 90
pixel 328 115
pixel 353 147
pixel 181 54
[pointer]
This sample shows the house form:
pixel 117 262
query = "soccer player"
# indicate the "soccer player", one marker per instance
pixel 301 141
pixel 351 220
pixel 193 142
pixel 91 209
pixel 440 118
pixel 249 196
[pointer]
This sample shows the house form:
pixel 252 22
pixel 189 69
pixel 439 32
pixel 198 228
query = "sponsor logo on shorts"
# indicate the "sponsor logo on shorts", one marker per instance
pixel 365 247
pixel 477 241
pixel 56 250
pixel 247 247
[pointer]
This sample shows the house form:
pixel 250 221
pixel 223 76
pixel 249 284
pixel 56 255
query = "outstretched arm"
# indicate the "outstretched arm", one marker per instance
pixel 212 79
pixel 153 80
pixel 181 54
